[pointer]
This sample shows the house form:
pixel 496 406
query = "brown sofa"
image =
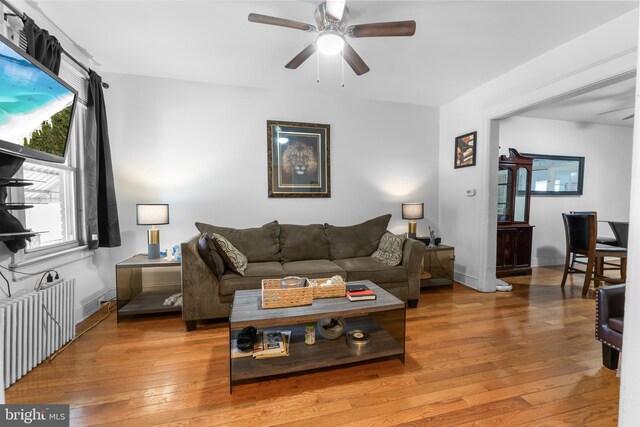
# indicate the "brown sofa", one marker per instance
pixel 278 250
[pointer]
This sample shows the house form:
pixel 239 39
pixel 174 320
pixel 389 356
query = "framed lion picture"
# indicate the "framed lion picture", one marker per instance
pixel 298 159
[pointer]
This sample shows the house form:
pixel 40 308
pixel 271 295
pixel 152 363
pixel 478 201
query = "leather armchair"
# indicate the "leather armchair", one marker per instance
pixel 610 323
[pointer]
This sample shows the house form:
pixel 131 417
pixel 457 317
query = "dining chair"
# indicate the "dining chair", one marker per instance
pixel 621 231
pixel 612 241
pixel 580 236
pixel 600 239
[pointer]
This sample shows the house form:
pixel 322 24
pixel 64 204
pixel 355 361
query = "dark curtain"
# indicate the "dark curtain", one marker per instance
pixel 103 226
pixel 43 47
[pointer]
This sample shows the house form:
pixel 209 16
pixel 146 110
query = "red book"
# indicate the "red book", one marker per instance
pixel 358 293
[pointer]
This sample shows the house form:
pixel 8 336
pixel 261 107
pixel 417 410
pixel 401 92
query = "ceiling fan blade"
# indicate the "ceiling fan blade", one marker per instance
pixel 629 117
pixel 281 22
pixel 353 59
pixel 613 111
pixel 335 8
pixel 383 29
pixel 302 56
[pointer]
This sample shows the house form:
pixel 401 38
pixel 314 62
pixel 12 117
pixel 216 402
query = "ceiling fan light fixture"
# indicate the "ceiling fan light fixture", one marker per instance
pixel 330 42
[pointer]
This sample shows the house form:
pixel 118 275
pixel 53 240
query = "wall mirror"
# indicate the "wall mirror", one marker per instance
pixel 556 175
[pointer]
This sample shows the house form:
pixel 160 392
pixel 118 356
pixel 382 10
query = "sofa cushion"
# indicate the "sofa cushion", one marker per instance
pixel 319 268
pixel 252 279
pixel 232 256
pixel 257 244
pixel 389 250
pixel 616 323
pixel 356 240
pixel 303 242
pixel 210 256
pixel 364 268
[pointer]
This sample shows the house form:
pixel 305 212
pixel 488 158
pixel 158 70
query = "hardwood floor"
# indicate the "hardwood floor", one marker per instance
pixel 527 357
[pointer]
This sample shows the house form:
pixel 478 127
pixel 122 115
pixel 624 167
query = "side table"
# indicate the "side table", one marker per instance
pixel 437 266
pixel 143 284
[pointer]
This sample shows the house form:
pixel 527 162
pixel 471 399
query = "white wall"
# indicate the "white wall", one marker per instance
pixel 629 412
pixel 203 149
pixel 607 153
pixel 469 223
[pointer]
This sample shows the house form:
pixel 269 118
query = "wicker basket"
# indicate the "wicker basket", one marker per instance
pixel 274 296
pixel 332 291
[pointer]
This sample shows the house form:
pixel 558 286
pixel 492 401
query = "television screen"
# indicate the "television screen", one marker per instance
pixel 36 107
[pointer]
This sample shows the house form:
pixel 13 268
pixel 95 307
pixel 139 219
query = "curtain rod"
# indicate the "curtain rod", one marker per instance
pixel 21 15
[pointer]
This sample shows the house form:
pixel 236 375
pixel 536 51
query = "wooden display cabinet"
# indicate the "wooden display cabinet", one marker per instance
pixel 515 234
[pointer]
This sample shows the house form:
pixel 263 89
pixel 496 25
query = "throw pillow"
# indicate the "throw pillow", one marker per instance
pixel 233 257
pixel 390 249
pixel 210 256
pixel 358 240
pixel 259 244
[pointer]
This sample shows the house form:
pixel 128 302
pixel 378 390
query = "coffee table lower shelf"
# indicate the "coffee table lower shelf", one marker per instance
pixel 323 354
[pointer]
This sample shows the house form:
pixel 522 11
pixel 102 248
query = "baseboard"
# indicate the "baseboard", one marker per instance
pixel 468 281
pixel 92 305
pixel 546 262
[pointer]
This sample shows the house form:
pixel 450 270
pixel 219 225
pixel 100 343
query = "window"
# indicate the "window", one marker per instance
pixel 52 196
pixel 556 175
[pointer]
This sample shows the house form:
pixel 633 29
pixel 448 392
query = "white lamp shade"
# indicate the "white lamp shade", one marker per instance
pixel 412 210
pixel 152 214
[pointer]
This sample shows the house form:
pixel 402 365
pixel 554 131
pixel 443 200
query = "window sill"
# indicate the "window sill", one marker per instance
pixel 53 260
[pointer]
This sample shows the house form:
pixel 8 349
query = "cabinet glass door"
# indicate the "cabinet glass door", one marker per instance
pixel 504 194
pixel 520 206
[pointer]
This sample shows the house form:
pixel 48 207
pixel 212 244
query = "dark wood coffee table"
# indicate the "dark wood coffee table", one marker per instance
pixel 384 319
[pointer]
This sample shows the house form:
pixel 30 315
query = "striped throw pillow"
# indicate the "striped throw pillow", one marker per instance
pixel 233 257
pixel 389 250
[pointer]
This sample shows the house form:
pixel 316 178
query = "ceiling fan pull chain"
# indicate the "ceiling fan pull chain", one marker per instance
pixel 318 67
pixel 342 67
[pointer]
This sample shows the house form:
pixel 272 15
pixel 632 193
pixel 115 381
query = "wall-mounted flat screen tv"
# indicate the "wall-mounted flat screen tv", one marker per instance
pixel 36 107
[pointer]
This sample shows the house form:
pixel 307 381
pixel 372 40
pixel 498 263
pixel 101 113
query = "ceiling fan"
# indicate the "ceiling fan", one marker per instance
pixel 619 109
pixel 331 18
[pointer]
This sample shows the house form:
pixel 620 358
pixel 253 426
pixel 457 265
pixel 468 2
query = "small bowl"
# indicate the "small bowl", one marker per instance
pixel 292 282
pixel 331 332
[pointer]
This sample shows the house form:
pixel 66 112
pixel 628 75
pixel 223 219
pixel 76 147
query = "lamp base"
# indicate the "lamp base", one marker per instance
pixel 413 227
pixel 153 251
pixel 153 243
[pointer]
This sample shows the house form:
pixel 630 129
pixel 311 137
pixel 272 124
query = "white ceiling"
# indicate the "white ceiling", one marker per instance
pixel 605 106
pixel 458 44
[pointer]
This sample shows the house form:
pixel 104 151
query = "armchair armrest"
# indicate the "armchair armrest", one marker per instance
pixel 199 284
pixel 609 304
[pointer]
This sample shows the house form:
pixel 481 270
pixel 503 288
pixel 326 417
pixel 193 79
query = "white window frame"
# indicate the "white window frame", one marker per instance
pixel 73 199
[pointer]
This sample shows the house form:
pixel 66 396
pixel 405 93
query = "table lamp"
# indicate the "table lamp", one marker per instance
pixel 412 211
pixel 152 214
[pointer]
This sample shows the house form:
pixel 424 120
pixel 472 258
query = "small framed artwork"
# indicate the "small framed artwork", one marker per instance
pixel 298 159
pixel 465 154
